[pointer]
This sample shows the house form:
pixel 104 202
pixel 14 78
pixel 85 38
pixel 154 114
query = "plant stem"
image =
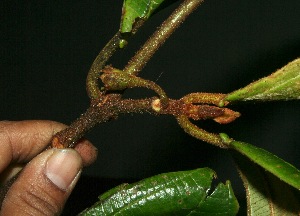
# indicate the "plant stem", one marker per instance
pixel 141 58
pixel 105 107
pixel 112 105
pixel 208 98
pixel 93 75
pixel 99 112
pixel 199 133
pixel 98 64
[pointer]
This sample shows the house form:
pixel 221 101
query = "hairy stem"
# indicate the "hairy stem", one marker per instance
pixel 109 107
pixel 208 98
pixel 199 133
pixel 141 58
pixel 115 79
pixel 98 64
pixel 105 107
pixel 101 60
pixel 112 105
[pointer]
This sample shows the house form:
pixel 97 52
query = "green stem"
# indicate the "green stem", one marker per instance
pixel 208 98
pixel 115 79
pixel 199 133
pixel 141 58
pixel 98 64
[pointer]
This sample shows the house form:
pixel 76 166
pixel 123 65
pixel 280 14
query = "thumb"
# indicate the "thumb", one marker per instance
pixel 44 184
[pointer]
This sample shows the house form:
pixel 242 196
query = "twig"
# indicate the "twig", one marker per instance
pixel 98 64
pixel 113 105
pixel 141 58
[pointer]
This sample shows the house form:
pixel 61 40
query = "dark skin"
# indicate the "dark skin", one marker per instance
pixel 47 177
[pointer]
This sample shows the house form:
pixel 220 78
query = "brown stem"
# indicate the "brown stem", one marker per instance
pixel 110 106
pixel 68 137
pixel 141 58
pixel 100 111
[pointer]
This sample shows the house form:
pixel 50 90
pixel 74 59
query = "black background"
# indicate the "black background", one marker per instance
pixel 47 47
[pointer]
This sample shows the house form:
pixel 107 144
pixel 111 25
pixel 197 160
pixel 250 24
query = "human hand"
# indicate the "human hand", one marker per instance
pixel 48 178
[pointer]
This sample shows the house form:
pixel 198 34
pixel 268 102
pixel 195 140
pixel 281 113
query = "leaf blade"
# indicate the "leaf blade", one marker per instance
pixel 225 206
pixel 136 9
pixel 284 84
pixel 166 194
pixel 266 194
pixel 275 165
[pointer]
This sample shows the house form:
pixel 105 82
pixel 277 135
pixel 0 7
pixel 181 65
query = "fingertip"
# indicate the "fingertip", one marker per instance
pixel 62 167
pixel 87 151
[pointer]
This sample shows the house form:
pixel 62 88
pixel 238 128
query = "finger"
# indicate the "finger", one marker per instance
pixel 44 184
pixel 87 151
pixel 21 141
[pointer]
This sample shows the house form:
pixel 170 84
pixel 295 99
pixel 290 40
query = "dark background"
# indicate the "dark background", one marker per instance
pixel 47 47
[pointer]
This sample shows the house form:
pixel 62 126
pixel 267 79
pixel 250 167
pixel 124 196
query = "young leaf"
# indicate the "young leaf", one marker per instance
pixel 275 165
pixel 175 193
pixel 266 194
pixel 284 84
pixel 136 9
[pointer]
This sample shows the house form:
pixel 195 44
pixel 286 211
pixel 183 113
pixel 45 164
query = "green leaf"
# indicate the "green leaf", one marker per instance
pixel 136 9
pixel 175 193
pixel 275 165
pixel 284 84
pixel 266 194
pixel 221 202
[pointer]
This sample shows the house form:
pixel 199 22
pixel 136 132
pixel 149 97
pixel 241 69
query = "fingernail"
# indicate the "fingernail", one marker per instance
pixel 62 167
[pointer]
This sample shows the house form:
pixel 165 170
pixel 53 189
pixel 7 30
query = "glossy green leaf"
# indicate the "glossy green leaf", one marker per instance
pixel 275 165
pixel 266 194
pixel 284 84
pixel 136 9
pixel 221 202
pixel 175 193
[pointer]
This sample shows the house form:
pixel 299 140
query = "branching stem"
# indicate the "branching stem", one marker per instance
pixel 112 105
pixel 106 105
